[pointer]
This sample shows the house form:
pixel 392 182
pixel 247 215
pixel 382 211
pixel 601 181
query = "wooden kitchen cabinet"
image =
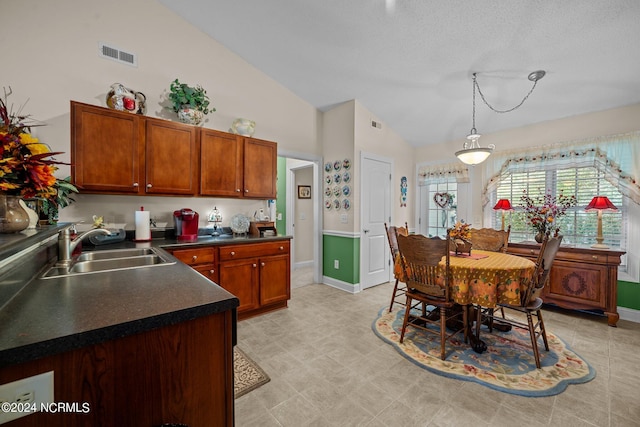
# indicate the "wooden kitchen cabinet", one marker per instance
pixel 114 152
pixel 258 274
pixel 177 374
pixel 236 166
pixel 580 278
pixel 203 260
pixel 107 150
pixel 171 155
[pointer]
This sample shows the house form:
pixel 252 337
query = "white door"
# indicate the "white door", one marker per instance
pixel 376 210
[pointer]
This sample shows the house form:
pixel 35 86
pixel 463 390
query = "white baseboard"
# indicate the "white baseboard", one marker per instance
pixel 303 264
pixel 343 286
pixel 629 314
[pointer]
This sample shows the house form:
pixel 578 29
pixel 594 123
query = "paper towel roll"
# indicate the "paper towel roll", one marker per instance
pixel 143 231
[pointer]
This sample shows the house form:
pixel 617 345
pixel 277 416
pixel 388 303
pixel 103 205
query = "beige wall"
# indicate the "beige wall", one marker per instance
pixel 52 48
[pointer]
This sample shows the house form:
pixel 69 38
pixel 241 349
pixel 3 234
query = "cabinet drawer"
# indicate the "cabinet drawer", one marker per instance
pixel 253 250
pixel 196 256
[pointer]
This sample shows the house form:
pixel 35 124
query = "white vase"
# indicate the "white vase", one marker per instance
pixel 33 215
pixel 190 116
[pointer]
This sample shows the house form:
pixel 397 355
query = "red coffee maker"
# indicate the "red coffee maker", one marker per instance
pixel 186 224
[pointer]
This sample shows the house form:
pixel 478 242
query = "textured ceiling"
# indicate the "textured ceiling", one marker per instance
pixel 412 66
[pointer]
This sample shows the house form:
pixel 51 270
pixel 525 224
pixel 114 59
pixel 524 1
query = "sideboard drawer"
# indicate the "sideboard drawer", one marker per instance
pixel 253 250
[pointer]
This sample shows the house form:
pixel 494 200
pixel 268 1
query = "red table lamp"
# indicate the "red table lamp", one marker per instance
pixel 600 204
pixel 503 205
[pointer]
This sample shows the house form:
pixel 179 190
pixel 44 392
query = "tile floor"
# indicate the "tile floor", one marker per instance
pixel 327 368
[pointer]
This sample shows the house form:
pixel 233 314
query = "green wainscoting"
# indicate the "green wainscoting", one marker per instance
pixel 281 201
pixel 347 251
pixel 629 295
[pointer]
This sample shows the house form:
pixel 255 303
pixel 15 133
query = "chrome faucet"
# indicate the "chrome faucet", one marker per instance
pixel 66 246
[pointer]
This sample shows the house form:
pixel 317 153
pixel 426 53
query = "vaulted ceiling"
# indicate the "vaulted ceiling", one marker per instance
pixel 410 62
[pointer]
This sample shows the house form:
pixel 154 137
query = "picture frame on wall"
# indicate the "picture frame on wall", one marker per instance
pixel 304 191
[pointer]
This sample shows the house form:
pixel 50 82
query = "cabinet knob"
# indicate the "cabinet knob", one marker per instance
pixel 532 251
pixel 149 185
pixel 212 271
pixel 246 191
pixel 594 256
pixel 262 264
pixel 135 184
pixel 282 248
pixel 232 253
pixel 237 190
pixel 254 266
pixel 194 258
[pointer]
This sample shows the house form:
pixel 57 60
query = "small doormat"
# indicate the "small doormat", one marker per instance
pixel 506 366
pixel 247 375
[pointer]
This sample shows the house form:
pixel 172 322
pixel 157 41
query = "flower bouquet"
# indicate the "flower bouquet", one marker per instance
pixel 543 212
pixel 26 164
pixel 459 235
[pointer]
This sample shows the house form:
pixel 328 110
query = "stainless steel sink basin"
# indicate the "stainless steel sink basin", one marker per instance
pixel 114 253
pixel 110 260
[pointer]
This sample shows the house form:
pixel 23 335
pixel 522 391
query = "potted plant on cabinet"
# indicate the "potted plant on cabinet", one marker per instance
pixel 190 102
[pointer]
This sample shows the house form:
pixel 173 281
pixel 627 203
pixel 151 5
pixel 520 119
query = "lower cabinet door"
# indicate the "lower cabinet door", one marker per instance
pixel 209 271
pixel 274 279
pixel 241 279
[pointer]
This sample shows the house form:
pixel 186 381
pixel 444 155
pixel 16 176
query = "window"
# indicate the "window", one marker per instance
pixel 578 227
pixel 441 207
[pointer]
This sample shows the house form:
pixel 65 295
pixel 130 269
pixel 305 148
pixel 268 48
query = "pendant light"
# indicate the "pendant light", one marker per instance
pixel 472 153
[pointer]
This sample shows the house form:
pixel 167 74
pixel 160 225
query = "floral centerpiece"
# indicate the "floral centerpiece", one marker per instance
pixel 543 212
pixel 460 235
pixel 26 164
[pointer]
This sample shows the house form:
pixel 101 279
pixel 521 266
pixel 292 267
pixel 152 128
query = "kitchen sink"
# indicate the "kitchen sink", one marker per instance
pixel 110 260
pixel 115 253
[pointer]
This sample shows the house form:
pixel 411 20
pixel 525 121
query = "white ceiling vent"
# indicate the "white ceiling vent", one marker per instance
pixel 111 52
pixel 376 125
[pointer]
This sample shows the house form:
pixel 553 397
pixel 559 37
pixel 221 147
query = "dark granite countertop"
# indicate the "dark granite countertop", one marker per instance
pixel 49 316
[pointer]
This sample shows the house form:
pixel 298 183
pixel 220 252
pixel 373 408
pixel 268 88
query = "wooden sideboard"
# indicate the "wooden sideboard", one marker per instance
pixel 581 278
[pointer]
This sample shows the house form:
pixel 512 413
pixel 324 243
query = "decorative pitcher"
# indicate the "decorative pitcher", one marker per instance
pixel 124 99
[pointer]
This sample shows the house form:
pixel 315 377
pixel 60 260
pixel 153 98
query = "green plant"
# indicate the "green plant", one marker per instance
pixel 50 207
pixel 181 94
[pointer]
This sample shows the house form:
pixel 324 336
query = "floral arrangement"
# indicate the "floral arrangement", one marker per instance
pixel 26 164
pixel 542 212
pixel 460 231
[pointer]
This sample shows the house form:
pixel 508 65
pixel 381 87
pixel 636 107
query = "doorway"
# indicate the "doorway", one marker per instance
pixel 304 215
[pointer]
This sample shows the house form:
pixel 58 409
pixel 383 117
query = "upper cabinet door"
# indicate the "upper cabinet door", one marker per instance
pixel 220 164
pixel 171 158
pixel 107 150
pixel 260 168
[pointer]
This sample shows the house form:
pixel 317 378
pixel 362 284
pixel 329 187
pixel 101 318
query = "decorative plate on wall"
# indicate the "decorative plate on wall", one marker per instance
pixel 337 191
pixel 346 190
pixel 328 205
pixel 328 179
pixel 327 191
pixel 346 177
pixel 346 205
pixel 346 163
pixel 337 178
pixel 336 204
pixel 328 167
pixel 337 165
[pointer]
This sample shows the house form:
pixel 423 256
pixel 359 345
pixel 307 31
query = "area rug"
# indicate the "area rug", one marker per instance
pixel 506 366
pixel 247 375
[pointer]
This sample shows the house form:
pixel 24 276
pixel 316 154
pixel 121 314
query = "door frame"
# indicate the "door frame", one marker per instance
pixel 316 192
pixel 390 162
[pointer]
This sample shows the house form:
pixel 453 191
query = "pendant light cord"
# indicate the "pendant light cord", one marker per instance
pixel 476 85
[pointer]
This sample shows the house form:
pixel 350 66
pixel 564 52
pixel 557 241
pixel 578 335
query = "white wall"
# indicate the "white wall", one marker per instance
pixel 51 57
pixel 304 217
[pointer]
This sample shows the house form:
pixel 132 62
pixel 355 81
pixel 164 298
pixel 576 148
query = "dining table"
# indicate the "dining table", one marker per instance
pixel 486 279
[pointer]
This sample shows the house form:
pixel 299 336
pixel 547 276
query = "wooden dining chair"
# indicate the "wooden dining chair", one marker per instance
pixel 489 239
pixel 400 287
pixel 530 300
pixel 428 283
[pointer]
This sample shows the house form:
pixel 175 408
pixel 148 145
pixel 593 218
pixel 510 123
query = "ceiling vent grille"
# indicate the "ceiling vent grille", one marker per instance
pixel 118 55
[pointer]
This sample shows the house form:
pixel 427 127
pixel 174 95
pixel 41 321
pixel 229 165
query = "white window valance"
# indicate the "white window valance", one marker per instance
pixel 442 173
pixel 618 156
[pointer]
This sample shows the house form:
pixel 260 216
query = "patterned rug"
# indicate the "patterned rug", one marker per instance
pixel 247 375
pixel 505 366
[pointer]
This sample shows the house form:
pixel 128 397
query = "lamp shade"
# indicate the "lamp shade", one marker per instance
pixel 601 203
pixel 503 204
